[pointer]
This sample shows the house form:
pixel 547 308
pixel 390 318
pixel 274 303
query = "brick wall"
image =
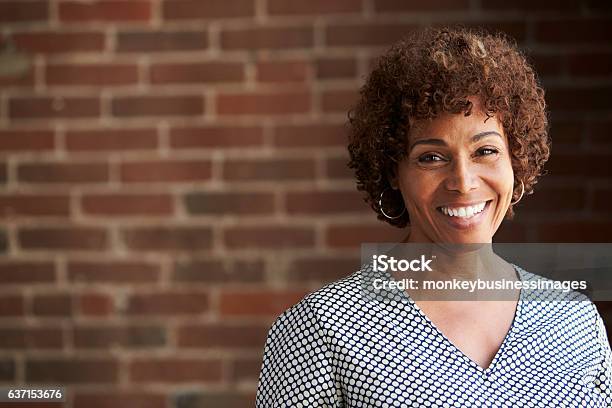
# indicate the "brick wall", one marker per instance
pixel 167 166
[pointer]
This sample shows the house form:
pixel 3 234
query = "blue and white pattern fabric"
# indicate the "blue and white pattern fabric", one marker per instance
pixel 339 348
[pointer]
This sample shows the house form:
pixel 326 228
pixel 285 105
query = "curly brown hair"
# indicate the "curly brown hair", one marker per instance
pixel 435 70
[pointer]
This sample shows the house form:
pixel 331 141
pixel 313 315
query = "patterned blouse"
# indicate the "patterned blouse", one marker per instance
pixel 339 348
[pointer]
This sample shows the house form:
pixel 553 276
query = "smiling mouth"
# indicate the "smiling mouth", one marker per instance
pixel 466 212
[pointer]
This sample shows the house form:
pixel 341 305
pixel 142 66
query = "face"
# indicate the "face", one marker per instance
pixel 456 179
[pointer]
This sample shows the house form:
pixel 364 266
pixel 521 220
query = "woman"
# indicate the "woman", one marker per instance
pixel 449 134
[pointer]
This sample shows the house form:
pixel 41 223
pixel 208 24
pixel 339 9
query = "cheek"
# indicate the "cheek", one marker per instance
pixel 509 176
pixel 418 187
pixel 502 175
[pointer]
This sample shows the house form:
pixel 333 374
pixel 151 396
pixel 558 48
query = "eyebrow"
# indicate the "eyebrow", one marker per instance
pixel 440 142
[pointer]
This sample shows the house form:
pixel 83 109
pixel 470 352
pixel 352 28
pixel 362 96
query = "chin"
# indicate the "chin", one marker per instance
pixel 469 239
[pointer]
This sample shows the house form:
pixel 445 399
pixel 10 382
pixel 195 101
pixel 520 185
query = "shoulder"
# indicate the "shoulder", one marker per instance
pixel 324 304
pixel 345 290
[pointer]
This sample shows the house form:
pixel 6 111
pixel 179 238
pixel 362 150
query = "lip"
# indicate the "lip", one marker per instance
pixel 462 223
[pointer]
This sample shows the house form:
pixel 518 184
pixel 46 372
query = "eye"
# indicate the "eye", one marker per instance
pixel 429 157
pixel 487 151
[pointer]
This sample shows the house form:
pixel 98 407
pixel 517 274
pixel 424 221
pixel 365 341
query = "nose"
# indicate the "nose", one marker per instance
pixel 462 176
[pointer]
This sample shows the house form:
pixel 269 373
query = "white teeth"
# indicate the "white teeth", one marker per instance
pixel 464 212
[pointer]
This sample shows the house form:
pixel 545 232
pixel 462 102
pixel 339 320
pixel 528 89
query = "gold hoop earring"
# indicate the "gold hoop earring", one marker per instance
pixel 522 192
pixel 380 205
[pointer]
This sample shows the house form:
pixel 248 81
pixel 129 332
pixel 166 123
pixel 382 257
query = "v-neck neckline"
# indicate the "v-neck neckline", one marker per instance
pixel 484 371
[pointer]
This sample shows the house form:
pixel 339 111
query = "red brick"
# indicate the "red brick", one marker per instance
pixel 4 241
pixel 532 6
pixel 91 74
pixel 336 67
pixel 383 35
pixel 215 137
pixel 23 77
pixel 11 305
pixel 104 10
pixel 8 372
pixel 245 369
pixel 124 336
pixel 395 6
pixel 219 271
pixel 574 231
pixel 268 303
pixel 31 338
pixel 26 272
pixel 162 41
pixel 54 42
pixel 352 236
pixel 103 140
pixel 204 73
pixel 548 64
pixel 225 399
pixel 221 335
pixel 511 232
pixel 43 107
pixel 229 203
pixel 592 166
pixel 175 370
pixel 127 204
pixel 58 305
pixel 339 100
pixel 169 238
pixel 130 106
pixel 590 64
pixel 259 103
pixel 209 9
pixel 573 31
pixel 269 237
pixel 372 62
pixel 26 140
pixel 114 271
pixel 598 132
pixel 325 202
pixel 564 199
pixel 322 269
pixel 579 99
pixel 63 172
pixel 361 34
pixel 63 238
pixel 95 304
pixel 268 169
pixel 165 171
pixel 594 6
pixel 71 370
pixel 114 399
pixel 283 71
pixel 34 205
pixel 267 38
pixel 337 168
pixel 168 303
pixel 3 172
pixel 601 200
pixel 567 131
pixel 313 7
pixel 311 135
pixel 21 11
